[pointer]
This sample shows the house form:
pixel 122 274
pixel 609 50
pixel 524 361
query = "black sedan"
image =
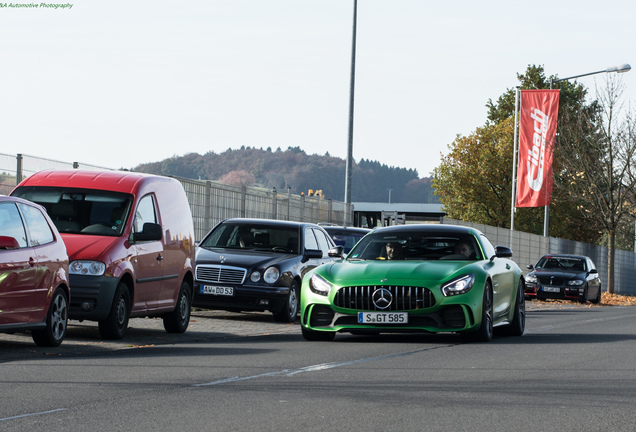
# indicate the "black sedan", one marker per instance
pixel 347 237
pixel 258 265
pixel 562 276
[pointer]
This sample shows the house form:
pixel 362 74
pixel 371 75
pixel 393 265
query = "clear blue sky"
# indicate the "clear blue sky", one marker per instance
pixel 118 83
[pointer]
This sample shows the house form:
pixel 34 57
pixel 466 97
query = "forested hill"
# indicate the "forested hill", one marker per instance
pixel 293 168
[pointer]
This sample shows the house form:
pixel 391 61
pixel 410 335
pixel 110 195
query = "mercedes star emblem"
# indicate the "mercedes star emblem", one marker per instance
pixel 382 298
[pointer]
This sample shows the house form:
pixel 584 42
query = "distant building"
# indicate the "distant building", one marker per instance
pixel 372 214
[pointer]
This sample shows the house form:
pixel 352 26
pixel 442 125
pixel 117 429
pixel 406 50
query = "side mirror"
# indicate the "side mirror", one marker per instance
pixel 503 252
pixel 336 252
pixel 311 254
pixel 530 267
pixel 593 271
pixel 151 232
pixel 7 242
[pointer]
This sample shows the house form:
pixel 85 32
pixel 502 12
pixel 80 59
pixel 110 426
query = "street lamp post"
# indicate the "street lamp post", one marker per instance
pixel 619 69
pixel 349 163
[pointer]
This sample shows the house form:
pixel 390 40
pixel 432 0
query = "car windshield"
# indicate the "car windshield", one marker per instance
pixel 549 262
pixel 253 236
pixel 81 211
pixel 346 239
pixel 417 245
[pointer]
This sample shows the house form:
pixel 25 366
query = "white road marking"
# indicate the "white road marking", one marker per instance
pixel 33 414
pixel 319 367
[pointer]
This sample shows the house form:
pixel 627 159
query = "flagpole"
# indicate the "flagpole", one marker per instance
pixel 514 168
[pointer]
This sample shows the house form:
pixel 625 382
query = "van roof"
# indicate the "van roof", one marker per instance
pixel 117 181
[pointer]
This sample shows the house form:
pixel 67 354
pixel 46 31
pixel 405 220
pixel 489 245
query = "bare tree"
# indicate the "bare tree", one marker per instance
pixel 599 165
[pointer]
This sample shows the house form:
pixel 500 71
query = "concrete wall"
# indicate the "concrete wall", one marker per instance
pixel 528 248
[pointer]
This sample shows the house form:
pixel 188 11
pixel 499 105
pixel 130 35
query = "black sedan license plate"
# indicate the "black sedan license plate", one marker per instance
pixel 383 317
pixel 217 290
pixel 551 289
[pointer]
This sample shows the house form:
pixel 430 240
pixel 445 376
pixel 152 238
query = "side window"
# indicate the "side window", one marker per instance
pixel 310 239
pixel 39 230
pixel 145 213
pixel 323 243
pixel 489 249
pixel 11 223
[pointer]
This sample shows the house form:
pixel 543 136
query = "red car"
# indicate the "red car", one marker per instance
pixel 34 287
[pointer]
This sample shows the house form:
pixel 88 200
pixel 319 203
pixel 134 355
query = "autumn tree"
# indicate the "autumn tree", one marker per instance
pixel 598 174
pixel 238 178
pixel 474 180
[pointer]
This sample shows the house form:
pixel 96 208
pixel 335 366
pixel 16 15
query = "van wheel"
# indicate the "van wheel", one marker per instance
pixel 116 323
pixel 56 322
pixel 177 321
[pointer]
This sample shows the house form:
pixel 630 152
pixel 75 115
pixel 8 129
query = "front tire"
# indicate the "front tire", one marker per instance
pixel 116 323
pixel 289 312
pixel 56 322
pixel 485 331
pixel 177 321
pixel 597 299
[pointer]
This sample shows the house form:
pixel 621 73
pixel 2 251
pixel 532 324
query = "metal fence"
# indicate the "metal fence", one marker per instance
pixel 528 248
pixel 211 202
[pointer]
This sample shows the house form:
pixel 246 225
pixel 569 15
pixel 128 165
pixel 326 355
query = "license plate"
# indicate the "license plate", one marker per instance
pixel 383 317
pixel 217 290
pixel 551 289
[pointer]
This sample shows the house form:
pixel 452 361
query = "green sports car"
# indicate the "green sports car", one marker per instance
pixel 416 278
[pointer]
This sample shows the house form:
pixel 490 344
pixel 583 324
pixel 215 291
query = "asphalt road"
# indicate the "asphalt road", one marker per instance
pixel 573 370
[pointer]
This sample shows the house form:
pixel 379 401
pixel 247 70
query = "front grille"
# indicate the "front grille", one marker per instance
pixel 403 298
pixel 221 274
pixel 549 280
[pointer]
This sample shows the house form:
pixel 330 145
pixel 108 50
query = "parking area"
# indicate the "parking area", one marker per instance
pixel 84 338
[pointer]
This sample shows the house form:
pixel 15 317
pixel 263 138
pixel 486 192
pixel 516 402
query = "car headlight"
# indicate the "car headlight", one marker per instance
pixel 319 285
pixel 531 279
pixel 255 276
pixel 88 268
pixel 271 275
pixel 458 286
pixel 576 282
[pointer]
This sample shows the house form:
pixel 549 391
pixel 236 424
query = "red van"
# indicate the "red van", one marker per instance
pixel 130 242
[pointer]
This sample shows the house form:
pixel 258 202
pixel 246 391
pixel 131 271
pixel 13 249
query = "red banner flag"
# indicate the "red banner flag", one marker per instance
pixel 537 129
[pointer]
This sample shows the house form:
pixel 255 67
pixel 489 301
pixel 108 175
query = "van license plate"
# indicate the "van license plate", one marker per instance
pixel 383 317
pixel 217 290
